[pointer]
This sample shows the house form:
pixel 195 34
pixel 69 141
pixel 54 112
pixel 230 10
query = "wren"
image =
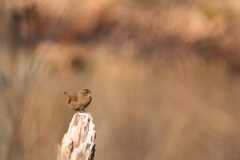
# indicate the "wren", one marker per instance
pixel 79 100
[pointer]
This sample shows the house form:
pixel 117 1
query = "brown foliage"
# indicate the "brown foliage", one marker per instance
pixel 165 75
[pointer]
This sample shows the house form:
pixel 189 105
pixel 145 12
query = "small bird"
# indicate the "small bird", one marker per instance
pixel 80 100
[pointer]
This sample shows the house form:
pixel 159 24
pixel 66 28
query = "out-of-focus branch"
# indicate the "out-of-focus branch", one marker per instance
pixel 79 142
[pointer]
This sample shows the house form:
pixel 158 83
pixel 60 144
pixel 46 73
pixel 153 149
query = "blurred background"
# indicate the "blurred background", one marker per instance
pixel 166 76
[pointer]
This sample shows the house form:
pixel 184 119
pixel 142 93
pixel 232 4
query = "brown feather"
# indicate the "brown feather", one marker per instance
pixel 79 100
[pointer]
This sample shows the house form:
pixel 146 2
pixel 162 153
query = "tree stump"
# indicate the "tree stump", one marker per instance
pixel 79 142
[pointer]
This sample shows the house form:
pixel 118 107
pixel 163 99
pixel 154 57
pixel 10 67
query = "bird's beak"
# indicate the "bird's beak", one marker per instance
pixel 91 91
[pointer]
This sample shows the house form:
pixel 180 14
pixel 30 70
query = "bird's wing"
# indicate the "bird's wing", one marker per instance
pixel 75 104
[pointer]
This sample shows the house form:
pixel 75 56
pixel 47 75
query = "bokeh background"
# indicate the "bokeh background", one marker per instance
pixel 166 76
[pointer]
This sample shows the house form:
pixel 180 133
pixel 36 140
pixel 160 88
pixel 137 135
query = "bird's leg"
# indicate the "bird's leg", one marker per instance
pixel 81 111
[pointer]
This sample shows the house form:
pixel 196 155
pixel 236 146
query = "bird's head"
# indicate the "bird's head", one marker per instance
pixel 84 92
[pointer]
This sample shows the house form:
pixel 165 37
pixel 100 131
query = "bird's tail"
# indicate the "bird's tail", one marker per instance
pixel 67 94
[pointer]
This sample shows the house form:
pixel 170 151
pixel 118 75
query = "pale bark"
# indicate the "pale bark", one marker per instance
pixel 79 142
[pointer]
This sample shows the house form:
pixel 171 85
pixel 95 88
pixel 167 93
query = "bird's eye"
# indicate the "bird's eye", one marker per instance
pixel 85 92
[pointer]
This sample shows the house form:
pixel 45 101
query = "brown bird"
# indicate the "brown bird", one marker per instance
pixel 80 100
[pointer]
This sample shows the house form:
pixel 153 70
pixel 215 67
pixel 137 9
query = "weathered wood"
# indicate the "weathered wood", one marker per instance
pixel 79 142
